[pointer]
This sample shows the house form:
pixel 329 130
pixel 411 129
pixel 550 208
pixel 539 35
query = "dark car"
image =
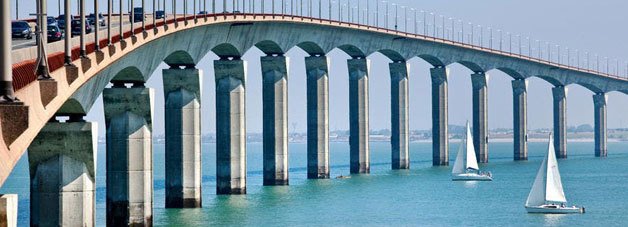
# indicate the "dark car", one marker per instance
pixel 61 21
pixel 160 14
pixel 76 28
pixel 138 14
pixel 21 29
pixel 101 19
pixel 52 21
pixel 54 33
pixel 202 12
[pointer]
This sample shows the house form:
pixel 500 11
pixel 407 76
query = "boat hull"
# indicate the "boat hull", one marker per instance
pixel 559 210
pixel 470 177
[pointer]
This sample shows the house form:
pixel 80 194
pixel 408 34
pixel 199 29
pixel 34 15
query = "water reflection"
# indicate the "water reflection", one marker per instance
pixel 552 219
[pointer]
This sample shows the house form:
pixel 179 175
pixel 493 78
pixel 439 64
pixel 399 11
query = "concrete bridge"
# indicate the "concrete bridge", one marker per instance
pixel 62 154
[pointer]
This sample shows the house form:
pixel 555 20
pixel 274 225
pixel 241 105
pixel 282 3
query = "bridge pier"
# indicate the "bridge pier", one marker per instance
pixel 440 139
pixel 520 118
pixel 182 91
pixel 599 102
pixel 479 81
pixel 230 78
pixel 359 115
pixel 128 118
pixel 275 123
pixel 8 210
pixel 560 120
pixel 317 117
pixel 62 160
pixel 399 114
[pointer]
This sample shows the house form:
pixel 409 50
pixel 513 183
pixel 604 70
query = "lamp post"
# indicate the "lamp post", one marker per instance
pixel 472 36
pixel 434 25
pixel 386 16
pixel 6 85
pixel 490 39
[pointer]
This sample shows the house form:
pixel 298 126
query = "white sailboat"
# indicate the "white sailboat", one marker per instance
pixel 547 195
pixel 466 166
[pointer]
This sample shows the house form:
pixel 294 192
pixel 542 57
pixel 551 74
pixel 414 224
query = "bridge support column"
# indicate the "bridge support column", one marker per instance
pixel 359 115
pixel 8 210
pixel 599 102
pixel 479 81
pixel 560 121
pixel 440 139
pixel 520 118
pixel 317 117
pixel 62 160
pixel 230 78
pixel 399 114
pixel 182 91
pixel 128 118
pixel 275 123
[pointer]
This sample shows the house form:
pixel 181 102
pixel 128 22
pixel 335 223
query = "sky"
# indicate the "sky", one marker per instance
pixel 593 26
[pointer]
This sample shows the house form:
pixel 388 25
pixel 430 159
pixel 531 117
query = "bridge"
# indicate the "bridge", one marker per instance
pixel 117 64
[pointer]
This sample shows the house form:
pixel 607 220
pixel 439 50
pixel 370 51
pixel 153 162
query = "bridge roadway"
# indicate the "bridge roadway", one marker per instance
pixel 128 110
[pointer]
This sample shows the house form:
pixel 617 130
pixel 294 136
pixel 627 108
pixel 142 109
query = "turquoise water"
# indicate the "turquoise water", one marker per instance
pixel 423 195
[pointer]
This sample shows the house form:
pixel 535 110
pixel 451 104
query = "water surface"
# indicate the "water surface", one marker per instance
pixel 423 195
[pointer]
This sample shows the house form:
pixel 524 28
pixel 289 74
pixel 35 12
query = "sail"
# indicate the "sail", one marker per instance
pixel 537 193
pixel 459 164
pixel 553 186
pixel 471 162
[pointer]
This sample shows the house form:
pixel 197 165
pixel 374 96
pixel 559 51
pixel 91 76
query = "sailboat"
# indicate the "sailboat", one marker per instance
pixel 547 195
pixel 466 166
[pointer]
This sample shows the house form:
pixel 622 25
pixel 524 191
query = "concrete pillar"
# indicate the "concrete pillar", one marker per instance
pixel 479 81
pixel 230 126
pixel 275 123
pixel 182 91
pixel 399 114
pixel 599 102
pixel 128 118
pixel 440 139
pixel 520 118
pixel 8 210
pixel 560 121
pixel 62 161
pixel 359 115
pixel 317 117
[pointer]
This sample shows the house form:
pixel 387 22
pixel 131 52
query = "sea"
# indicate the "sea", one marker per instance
pixel 421 196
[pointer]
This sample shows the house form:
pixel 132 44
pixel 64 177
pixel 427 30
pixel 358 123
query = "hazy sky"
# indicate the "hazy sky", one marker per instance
pixel 594 26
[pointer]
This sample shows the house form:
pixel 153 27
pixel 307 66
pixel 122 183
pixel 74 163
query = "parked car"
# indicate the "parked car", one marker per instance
pixel 52 21
pixel 21 29
pixel 61 20
pixel 76 27
pixel 101 19
pixel 160 14
pixel 138 14
pixel 54 33
pixel 202 13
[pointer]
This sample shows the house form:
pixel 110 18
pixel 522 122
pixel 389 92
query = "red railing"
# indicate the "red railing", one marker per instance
pixel 23 73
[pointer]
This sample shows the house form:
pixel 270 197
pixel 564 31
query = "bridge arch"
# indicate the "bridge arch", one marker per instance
pixel 553 81
pixel 269 47
pixel 129 74
pixel 71 107
pixel 432 60
pixel 311 48
pixel 226 50
pixel 471 66
pixel 510 72
pixel 352 51
pixel 392 55
pixel 179 58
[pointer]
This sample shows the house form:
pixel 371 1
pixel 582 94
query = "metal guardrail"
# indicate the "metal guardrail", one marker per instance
pixel 23 75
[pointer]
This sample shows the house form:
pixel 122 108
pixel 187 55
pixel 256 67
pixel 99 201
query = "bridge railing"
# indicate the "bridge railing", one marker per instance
pixel 345 15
